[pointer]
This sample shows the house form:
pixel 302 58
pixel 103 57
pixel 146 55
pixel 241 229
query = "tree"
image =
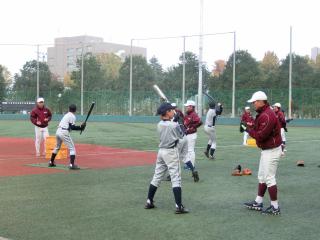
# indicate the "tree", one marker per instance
pixel 219 67
pixel 302 72
pixel 142 74
pixel 248 73
pixel 2 83
pixel 25 82
pixel 173 76
pixel 270 69
pixel 93 76
pixel 110 66
pixel 156 69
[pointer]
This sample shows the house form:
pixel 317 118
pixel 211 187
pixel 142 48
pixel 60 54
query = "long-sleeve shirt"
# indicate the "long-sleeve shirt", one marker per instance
pixel 281 118
pixel 211 117
pixel 192 122
pixel 39 115
pixel 266 129
pixel 246 117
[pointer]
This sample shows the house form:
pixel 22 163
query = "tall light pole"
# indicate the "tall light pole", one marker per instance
pixel 82 80
pixel 130 87
pixel 38 71
pixel 234 75
pixel 290 75
pixel 200 60
pixel 183 72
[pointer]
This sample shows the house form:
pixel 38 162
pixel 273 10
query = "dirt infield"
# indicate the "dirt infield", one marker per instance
pixel 16 153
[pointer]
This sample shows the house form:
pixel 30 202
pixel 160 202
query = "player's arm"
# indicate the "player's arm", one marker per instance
pixel 72 126
pixel 196 121
pixel 264 130
pixel 49 115
pixel 34 118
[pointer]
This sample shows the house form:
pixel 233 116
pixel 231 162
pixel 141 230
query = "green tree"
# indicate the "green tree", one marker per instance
pixel 2 83
pixel 302 72
pixel 110 66
pixel 25 82
pixel 156 69
pixel 93 75
pixel 173 76
pixel 248 73
pixel 142 74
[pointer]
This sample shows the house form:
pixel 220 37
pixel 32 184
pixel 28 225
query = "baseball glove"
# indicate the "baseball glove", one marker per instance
pixel 300 163
pixel 246 172
pixel 237 171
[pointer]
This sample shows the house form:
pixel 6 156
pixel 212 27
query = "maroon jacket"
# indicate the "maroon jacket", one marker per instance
pixel 266 129
pixel 246 117
pixel 192 122
pixel 281 118
pixel 39 114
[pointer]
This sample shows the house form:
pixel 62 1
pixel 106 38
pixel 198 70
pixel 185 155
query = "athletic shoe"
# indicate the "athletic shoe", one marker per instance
pixel 195 176
pixel 51 164
pixel 149 205
pixel 74 167
pixel 212 157
pixel 271 211
pixel 181 210
pixel 253 205
pixel 207 154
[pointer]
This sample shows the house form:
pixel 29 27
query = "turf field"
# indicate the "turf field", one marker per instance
pixel 108 203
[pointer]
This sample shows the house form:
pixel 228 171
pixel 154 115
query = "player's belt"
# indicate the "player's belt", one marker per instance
pixel 64 128
pixel 175 144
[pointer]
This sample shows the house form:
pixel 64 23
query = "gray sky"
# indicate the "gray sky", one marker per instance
pixel 261 25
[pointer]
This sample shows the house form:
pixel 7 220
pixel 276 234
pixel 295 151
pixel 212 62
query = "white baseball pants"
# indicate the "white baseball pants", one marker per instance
pixel 41 134
pixel 268 166
pixel 211 132
pixel 64 136
pixel 191 156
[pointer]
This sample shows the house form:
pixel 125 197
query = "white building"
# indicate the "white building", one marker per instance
pixel 314 53
pixel 62 58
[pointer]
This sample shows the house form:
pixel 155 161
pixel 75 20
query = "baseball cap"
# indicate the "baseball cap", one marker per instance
pixel 257 96
pixel 247 108
pixel 277 105
pixel 40 99
pixel 190 103
pixel 173 104
pixel 163 108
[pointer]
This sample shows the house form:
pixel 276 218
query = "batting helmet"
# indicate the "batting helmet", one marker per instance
pixel 72 108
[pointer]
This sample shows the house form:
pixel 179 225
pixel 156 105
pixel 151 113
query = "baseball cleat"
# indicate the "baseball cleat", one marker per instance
pixel 51 164
pixel 149 205
pixel 74 167
pixel 253 205
pixel 195 176
pixel 207 154
pixel 271 211
pixel 181 210
pixel 212 157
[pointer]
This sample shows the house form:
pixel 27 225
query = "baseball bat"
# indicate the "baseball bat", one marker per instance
pixel 89 113
pixel 160 93
pixel 208 96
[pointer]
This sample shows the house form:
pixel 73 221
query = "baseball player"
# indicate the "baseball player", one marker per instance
pixel 183 142
pixel 40 116
pixel 210 129
pixel 191 122
pixel 266 131
pixel 246 117
pixel 168 158
pixel 282 119
pixel 67 124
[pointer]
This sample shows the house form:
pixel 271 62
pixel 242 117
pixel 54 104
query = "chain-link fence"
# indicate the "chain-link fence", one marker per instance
pixel 305 104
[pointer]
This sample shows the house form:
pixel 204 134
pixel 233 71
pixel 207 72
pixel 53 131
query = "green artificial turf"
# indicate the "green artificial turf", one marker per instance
pixel 108 203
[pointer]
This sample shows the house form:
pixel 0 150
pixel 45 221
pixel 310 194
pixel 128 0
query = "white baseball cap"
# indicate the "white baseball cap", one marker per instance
pixel 173 104
pixel 277 105
pixel 190 103
pixel 257 96
pixel 40 99
pixel 247 108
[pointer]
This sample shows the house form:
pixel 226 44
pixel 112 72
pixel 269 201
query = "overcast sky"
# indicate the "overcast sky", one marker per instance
pixel 260 25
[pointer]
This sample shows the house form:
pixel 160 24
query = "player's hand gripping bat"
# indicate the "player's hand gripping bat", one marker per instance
pixel 88 115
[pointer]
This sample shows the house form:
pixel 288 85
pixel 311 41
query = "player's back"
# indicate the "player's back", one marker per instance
pixel 169 133
pixel 68 118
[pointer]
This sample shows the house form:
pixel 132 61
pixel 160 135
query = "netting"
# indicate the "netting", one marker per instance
pixel 305 104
